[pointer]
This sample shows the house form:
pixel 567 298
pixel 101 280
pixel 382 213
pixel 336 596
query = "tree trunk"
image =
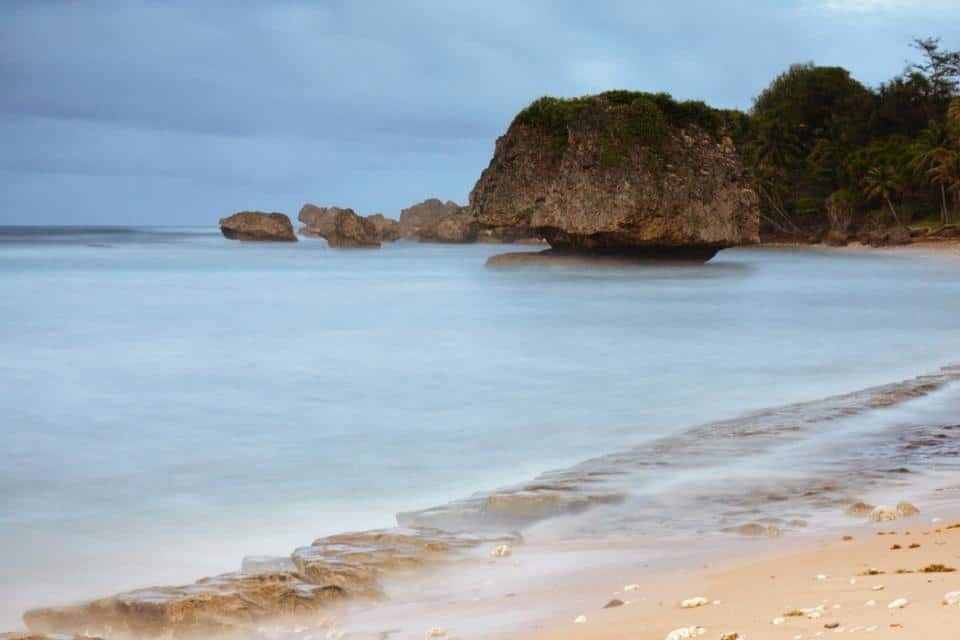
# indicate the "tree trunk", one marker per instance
pixel 943 204
pixel 894 212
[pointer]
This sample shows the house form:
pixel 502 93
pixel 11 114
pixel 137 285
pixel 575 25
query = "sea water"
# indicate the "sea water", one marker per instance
pixel 172 401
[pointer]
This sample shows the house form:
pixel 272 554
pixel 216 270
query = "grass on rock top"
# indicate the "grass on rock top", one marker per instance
pixel 628 117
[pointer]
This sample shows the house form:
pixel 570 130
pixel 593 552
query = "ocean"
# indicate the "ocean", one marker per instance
pixel 173 401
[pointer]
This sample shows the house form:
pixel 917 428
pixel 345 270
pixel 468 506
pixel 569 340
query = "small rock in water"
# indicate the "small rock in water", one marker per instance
pixel 581 619
pixel 685 633
pixel 859 508
pixel 831 625
pixel 501 551
pixel 906 509
pixel 613 603
pixel 691 603
pixel 883 513
pixel 951 598
pixel 899 603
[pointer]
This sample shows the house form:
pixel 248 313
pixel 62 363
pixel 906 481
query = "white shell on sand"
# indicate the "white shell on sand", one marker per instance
pixel 684 633
pixel 501 551
pixel 883 513
pixel 951 598
pixel 871 603
pixel 821 577
pixel 581 619
pixel 778 620
pixel 691 603
pixel 878 587
pixel 899 603
pixel 631 587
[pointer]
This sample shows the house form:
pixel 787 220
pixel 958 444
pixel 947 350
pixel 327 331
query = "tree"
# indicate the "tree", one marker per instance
pixel 953 119
pixel 884 183
pixel 941 68
pixel 931 160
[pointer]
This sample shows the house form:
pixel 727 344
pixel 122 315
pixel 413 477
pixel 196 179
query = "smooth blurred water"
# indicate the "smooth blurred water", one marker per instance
pixel 171 401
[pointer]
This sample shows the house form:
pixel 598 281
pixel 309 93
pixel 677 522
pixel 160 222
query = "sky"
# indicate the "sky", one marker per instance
pixel 141 112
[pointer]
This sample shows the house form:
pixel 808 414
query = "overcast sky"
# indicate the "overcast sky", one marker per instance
pixel 149 112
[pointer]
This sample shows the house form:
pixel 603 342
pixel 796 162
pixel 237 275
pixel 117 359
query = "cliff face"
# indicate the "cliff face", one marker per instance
pixel 619 173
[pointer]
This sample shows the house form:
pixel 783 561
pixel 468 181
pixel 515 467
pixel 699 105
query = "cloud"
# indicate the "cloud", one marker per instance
pixel 373 104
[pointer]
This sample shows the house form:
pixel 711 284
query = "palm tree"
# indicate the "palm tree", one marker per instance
pixel 929 152
pixel 943 172
pixel 883 182
pixel 953 118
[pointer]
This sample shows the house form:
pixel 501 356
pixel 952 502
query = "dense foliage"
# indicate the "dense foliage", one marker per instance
pixel 828 154
pixel 825 152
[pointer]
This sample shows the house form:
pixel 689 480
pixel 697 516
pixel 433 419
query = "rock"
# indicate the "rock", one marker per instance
pixel 886 237
pixel 19 635
pixel 501 551
pixel 266 564
pixel 258 226
pixel 732 636
pixel 685 633
pixel 436 221
pixel 899 603
pixel 836 238
pixel 883 513
pixel 343 228
pixel 388 229
pixel 615 602
pixel 905 509
pixel 755 529
pixel 691 603
pixel 588 175
pixel 859 508
pixel 209 607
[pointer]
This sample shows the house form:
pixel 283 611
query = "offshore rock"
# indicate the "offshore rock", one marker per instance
pixel 342 228
pixel 436 221
pixel 258 226
pixel 388 229
pixel 621 172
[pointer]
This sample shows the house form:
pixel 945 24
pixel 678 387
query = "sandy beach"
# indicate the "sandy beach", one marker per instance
pixel 886 580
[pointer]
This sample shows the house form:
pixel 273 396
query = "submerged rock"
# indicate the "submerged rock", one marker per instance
pixel 906 509
pixel 619 173
pixel 883 513
pixel 859 508
pixel 258 226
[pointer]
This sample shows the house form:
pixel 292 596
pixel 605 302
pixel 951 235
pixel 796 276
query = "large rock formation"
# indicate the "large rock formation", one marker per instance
pixel 342 228
pixel 258 226
pixel 620 172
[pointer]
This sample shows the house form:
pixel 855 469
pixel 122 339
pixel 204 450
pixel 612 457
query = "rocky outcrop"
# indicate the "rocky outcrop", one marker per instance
pixel 342 228
pixel 388 229
pixel 436 221
pixel 258 226
pixel 620 173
